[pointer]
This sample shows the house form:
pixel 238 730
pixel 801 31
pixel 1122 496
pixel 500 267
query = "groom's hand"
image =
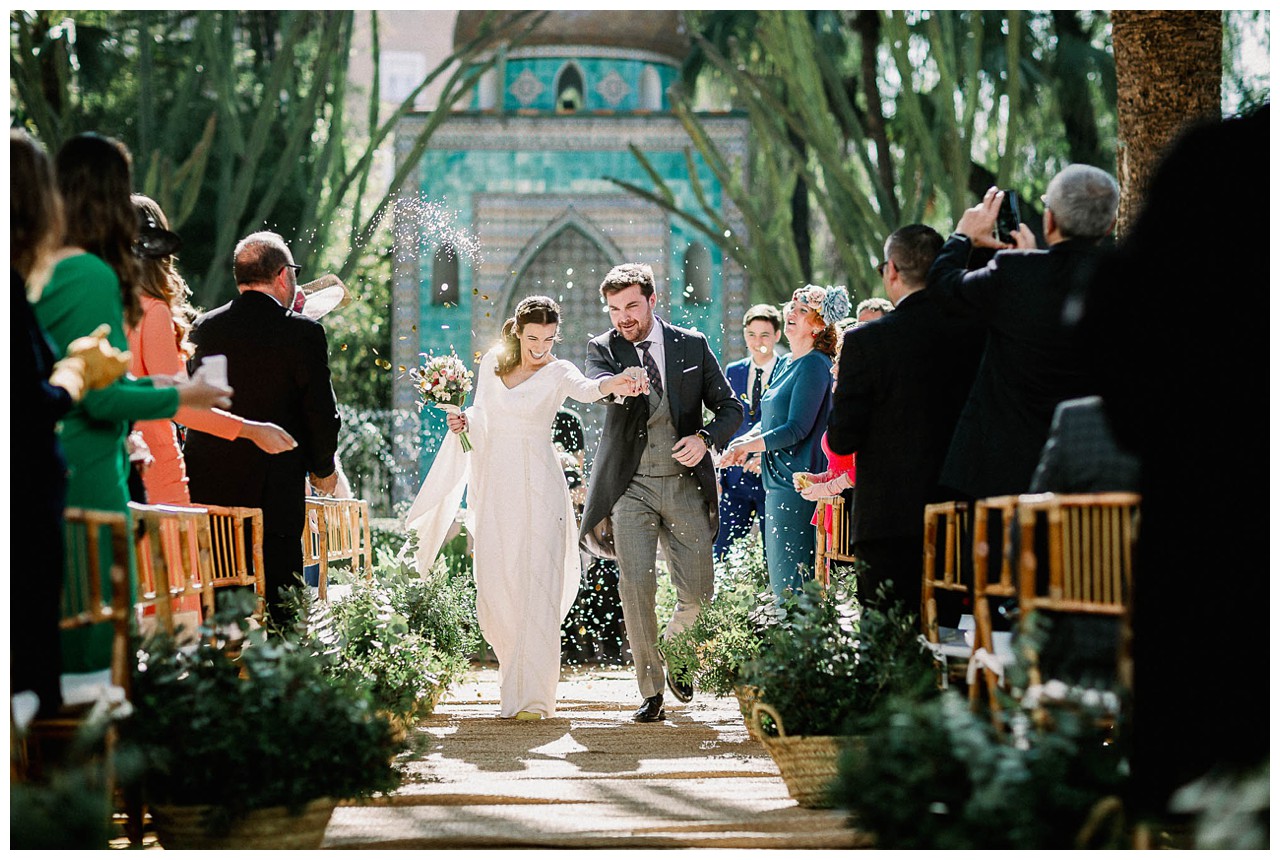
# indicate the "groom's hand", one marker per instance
pixel 689 451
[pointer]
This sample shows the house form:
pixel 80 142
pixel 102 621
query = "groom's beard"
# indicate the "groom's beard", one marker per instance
pixel 638 331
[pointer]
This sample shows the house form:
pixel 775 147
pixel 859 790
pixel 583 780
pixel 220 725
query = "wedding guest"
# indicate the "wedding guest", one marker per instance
pixel 1200 570
pixel 903 379
pixel 872 309
pixel 841 474
pixel 159 346
pixel 94 283
pixel 1030 363
pixel 43 391
pixel 794 415
pixel 278 362
pixel 741 490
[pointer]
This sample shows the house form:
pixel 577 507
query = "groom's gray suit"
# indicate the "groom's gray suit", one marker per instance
pixel 639 495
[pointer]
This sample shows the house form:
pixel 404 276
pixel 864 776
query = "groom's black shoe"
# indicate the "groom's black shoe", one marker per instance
pixel 650 711
pixel 682 690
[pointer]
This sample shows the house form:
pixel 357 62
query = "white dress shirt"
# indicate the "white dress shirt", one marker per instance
pixel 754 369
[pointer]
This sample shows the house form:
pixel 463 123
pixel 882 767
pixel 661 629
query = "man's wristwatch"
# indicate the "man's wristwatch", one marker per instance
pixel 706 438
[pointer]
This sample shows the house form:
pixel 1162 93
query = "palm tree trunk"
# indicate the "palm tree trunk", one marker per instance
pixel 1168 74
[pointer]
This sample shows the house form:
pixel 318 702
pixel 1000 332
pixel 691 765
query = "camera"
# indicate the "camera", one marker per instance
pixel 1010 217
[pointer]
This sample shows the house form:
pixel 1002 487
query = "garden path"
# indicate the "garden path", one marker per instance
pixel 589 778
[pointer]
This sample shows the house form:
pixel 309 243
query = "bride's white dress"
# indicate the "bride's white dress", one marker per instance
pixel 527 567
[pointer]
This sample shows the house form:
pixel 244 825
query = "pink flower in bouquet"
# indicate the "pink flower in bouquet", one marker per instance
pixel 443 381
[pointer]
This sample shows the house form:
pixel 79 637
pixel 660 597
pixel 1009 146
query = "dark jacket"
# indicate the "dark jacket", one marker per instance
pixel 1031 362
pixel 735 479
pixel 278 366
pixel 693 379
pixel 902 382
pixel 1081 455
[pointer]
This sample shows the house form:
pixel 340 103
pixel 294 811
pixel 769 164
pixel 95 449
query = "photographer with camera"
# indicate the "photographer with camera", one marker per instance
pixel 1031 361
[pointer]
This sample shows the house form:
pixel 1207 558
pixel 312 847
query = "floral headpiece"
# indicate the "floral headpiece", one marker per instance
pixel 835 305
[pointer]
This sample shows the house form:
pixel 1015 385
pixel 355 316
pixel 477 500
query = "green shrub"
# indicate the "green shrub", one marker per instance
pixel 252 722
pixel 406 637
pixel 931 774
pixel 824 658
pixel 728 631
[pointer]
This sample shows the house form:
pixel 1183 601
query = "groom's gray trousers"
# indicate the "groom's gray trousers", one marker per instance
pixel 670 510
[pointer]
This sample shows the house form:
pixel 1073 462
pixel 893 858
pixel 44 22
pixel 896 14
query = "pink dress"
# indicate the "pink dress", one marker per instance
pixel 154 348
pixel 837 465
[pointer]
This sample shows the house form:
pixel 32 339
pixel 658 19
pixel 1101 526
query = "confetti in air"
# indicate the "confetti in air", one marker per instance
pixel 421 222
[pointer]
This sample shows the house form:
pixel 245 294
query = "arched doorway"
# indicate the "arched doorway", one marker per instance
pixel 569 267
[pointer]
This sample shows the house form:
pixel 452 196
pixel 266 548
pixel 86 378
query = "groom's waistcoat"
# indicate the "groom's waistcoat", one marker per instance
pixel 660 437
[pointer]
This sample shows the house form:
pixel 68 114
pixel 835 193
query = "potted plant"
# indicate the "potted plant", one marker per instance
pixel 824 658
pixel 932 774
pixel 250 741
pixel 730 628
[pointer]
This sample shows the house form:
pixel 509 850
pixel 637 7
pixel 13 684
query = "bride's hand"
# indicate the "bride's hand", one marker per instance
pixel 457 423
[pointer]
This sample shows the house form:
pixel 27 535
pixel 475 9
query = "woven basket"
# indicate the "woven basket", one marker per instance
pixel 747 696
pixel 808 764
pixel 183 827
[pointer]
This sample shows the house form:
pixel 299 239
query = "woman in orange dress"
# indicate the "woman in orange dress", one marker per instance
pixel 159 347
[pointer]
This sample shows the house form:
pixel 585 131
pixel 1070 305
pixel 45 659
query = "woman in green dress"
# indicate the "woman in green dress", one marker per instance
pixel 93 283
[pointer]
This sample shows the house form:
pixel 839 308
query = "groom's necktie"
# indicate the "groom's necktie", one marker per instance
pixel 756 389
pixel 651 368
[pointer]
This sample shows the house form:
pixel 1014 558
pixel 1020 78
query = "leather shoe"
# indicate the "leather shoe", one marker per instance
pixel 650 711
pixel 682 690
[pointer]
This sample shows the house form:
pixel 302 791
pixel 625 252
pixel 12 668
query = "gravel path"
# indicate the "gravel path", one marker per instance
pixel 588 778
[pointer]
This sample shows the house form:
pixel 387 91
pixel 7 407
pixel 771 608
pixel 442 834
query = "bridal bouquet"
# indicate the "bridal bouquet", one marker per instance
pixel 443 381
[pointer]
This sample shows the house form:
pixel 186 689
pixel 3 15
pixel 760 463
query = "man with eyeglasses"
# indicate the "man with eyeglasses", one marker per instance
pixel 1031 362
pixel 903 379
pixel 279 362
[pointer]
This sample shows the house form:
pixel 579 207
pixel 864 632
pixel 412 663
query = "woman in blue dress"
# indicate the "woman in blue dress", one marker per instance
pixel 793 417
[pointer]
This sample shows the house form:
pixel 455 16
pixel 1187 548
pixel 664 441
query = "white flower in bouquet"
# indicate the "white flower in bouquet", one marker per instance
pixel 444 381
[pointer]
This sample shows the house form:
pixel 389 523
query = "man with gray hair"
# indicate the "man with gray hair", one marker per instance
pixel 278 363
pixel 872 309
pixel 1031 363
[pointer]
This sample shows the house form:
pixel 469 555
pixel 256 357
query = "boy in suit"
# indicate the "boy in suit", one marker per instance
pixel 742 493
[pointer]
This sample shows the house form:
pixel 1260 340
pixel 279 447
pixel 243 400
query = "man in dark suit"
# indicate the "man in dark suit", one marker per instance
pixel 652 479
pixel 1031 362
pixel 1081 454
pixel 742 493
pixel 278 364
pixel 903 380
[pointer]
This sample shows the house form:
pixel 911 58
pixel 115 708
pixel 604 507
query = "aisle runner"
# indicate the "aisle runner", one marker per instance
pixel 587 779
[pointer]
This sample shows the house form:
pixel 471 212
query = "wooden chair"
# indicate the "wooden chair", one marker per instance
pixel 837 547
pixel 337 530
pixel 93 539
pixel 1087 564
pixel 993 522
pixel 175 561
pixel 235 543
pixel 945 524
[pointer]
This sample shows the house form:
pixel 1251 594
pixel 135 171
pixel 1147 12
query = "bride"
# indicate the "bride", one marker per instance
pixel 527 566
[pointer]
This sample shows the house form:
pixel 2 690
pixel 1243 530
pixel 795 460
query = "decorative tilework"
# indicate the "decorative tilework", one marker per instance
pixel 526 88
pixel 533 190
pixel 613 88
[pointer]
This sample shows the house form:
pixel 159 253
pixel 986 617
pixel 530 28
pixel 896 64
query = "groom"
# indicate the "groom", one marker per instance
pixel 652 479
